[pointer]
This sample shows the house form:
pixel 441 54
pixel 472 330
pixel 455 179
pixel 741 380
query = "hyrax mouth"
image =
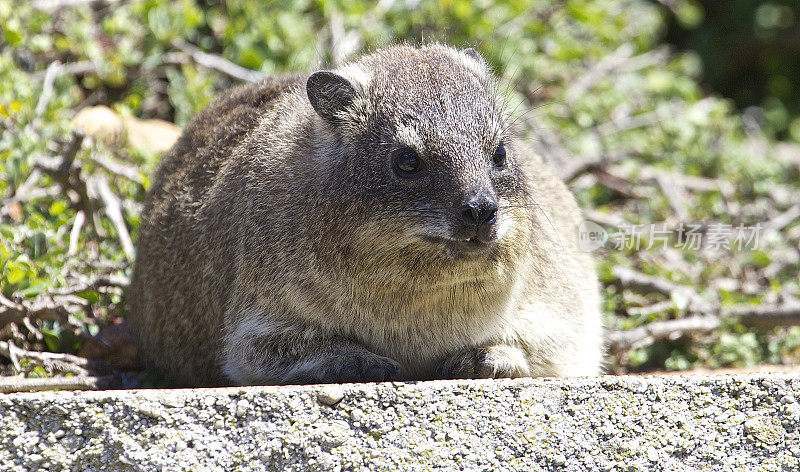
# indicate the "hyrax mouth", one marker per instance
pixel 475 244
pixel 472 245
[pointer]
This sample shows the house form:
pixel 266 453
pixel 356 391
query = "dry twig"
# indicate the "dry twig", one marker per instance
pixel 13 312
pixel 117 168
pixel 51 6
pixel 572 168
pixel 67 363
pixel 659 307
pixel 618 61
pixel 600 69
pixel 689 182
pixel 217 63
pixel 113 209
pixel 47 89
pixel 21 384
pixel 606 219
pixel 82 284
pixel 765 316
pixel 75 232
pixel 630 278
pixel 648 334
pixel 55 304
pixel 784 219
pixel 62 170
pixel 70 68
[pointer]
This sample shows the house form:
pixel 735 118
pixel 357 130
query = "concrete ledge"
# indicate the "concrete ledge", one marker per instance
pixel 744 422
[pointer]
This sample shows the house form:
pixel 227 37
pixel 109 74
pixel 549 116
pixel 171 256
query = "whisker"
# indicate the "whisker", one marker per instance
pixel 544 213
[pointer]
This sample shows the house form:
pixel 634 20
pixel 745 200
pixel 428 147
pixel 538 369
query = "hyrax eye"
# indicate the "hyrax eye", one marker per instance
pixel 499 157
pixel 407 163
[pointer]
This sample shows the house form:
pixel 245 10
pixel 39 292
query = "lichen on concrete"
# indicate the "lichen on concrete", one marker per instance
pixel 608 423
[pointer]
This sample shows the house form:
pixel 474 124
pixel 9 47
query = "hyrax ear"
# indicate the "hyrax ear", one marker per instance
pixel 330 93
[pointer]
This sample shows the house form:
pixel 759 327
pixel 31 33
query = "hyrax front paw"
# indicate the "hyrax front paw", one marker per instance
pixel 358 367
pixel 485 362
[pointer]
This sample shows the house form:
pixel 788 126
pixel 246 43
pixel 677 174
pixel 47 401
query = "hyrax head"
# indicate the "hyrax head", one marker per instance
pixel 422 144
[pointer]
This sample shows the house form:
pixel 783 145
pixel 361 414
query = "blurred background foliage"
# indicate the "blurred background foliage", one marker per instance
pixel 638 130
pixel 750 52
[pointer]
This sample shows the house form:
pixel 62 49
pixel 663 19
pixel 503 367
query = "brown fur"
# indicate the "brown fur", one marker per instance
pixel 277 246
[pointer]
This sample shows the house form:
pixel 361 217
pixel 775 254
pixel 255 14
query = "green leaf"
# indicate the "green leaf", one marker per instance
pixel 51 338
pixel 12 36
pixel 91 295
pixel 59 339
pixel 16 272
pixel 761 259
pixel 37 245
pixel 57 207
pixel 38 372
pixel 34 289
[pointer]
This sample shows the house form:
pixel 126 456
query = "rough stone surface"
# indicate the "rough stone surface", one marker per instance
pixel 743 422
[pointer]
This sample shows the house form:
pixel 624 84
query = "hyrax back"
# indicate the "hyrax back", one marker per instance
pixel 375 222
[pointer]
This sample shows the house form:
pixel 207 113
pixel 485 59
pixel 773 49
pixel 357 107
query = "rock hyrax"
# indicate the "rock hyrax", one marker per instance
pixel 378 221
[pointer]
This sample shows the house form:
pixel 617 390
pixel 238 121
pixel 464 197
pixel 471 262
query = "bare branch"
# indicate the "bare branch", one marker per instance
pixel 63 362
pixel 11 352
pixel 28 185
pixel 632 279
pixel 21 384
pixel 113 209
pixel 648 334
pixel 217 63
pixel 26 321
pixel 29 195
pixel 620 185
pixel 51 6
pixel 676 196
pixel 690 182
pixel 659 307
pixel 84 284
pixel 56 304
pixel 70 68
pixel 642 120
pixel 117 168
pixel 10 304
pixel 62 170
pixel 75 232
pixel 606 219
pixel 572 168
pixel 47 89
pixel 647 283
pixel 618 61
pixel 11 312
pixel 784 219
pixel 762 316
pixel 595 72
pixel 765 316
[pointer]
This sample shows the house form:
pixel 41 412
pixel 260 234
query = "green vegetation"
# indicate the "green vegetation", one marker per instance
pixel 623 121
pixel 749 53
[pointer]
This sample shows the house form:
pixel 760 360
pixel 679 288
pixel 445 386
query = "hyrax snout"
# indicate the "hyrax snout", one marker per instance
pixel 375 222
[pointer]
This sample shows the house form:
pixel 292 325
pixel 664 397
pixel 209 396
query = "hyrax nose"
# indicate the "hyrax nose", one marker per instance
pixel 479 209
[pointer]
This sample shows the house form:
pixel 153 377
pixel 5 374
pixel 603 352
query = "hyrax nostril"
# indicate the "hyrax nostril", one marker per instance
pixel 490 214
pixel 470 215
pixel 479 210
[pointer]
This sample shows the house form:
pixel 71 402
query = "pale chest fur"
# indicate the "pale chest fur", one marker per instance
pixel 417 323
